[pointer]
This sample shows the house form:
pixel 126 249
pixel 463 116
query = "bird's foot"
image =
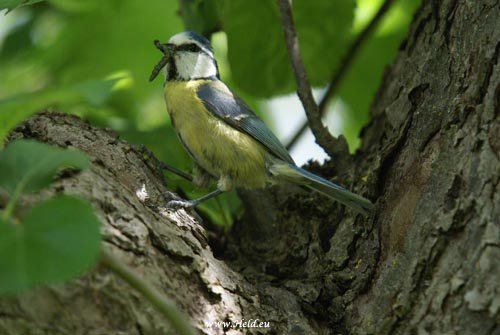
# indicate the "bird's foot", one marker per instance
pixel 169 196
pixel 176 202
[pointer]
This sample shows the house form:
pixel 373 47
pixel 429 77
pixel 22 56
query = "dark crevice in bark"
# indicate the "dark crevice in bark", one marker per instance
pixel 418 32
pixel 392 154
pixel 450 17
pixel 490 65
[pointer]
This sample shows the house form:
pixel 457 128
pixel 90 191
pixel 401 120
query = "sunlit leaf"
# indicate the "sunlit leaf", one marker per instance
pixel 55 241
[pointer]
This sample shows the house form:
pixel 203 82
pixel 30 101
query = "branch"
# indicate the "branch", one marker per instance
pixel 345 64
pixel 162 304
pixel 323 137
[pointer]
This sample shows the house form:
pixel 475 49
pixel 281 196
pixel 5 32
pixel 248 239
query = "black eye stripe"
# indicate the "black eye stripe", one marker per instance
pixel 189 47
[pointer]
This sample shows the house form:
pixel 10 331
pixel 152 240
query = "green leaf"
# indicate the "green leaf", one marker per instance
pixel 57 240
pixel 28 166
pixel 19 107
pixel 257 52
pixel 11 4
pixel 199 16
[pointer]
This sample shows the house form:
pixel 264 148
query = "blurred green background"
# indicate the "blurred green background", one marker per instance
pixel 93 58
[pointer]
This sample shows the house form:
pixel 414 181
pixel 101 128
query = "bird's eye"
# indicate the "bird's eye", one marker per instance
pixel 193 47
pixel 190 47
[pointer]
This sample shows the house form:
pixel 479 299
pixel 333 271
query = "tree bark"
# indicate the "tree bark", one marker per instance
pixel 427 262
pixel 436 120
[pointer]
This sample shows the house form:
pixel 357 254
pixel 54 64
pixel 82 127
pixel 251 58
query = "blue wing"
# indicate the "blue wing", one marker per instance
pixel 221 102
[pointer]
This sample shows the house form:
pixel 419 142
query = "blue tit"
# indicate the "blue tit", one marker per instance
pixel 224 137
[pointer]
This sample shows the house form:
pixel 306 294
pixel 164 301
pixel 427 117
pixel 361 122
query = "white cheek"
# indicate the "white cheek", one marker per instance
pixel 191 65
pixel 204 67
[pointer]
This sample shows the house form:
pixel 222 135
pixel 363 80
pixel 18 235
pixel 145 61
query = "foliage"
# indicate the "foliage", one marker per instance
pixel 54 240
pixel 258 57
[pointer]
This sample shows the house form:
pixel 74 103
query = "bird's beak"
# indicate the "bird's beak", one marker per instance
pixel 170 47
pixel 168 50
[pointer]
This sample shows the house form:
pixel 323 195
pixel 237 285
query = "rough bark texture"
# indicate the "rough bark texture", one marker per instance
pixel 436 121
pixel 427 262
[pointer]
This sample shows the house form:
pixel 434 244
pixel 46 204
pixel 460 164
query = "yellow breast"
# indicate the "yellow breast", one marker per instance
pixel 217 147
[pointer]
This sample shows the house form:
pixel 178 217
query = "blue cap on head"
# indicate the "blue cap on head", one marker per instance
pixel 186 36
pixel 199 38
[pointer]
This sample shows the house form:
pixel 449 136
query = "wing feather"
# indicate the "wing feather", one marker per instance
pixel 222 103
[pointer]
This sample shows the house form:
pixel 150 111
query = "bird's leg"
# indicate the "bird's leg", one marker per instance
pixel 201 179
pixel 159 164
pixel 164 166
pixel 192 203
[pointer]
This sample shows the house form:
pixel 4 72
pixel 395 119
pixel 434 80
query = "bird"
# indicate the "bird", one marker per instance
pixel 226 140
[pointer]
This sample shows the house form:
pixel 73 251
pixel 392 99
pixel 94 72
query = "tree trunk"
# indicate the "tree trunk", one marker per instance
pixel 427 262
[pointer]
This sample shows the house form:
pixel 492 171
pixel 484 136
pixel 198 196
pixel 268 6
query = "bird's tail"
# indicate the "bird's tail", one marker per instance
pixel 300 176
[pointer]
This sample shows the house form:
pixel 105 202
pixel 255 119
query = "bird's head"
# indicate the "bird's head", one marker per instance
pixel 187 56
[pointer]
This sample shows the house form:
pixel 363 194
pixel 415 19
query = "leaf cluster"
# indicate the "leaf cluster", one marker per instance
pixel 54 240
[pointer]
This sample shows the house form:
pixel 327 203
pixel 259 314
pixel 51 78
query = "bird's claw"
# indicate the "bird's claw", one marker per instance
pixel 176 204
